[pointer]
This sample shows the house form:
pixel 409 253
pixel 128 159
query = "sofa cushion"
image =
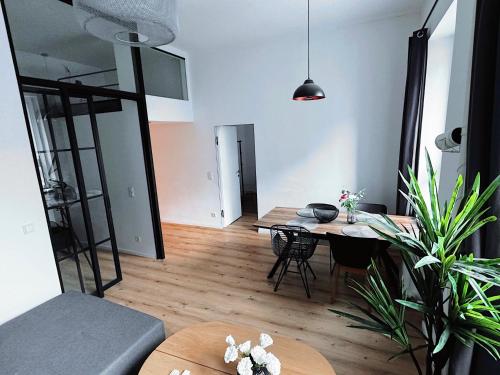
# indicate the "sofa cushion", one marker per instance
pixel 78 334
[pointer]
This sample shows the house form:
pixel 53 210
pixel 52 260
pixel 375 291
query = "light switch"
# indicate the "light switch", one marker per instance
pixel 210 176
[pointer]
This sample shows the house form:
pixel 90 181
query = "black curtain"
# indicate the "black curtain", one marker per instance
pixel 483 156
pixel 412 112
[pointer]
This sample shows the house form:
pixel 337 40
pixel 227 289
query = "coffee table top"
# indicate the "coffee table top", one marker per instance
pixel 200 348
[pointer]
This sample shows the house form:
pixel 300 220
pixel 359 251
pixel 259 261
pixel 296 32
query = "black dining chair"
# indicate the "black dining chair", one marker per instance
pixel 351 255
pixel 293 243
pixel 373 208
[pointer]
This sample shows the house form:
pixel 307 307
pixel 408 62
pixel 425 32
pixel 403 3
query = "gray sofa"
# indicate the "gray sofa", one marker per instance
pixel 78 334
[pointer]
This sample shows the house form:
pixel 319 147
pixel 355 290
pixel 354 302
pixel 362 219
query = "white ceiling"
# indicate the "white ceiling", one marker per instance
pixel 46 25
pixel 205 23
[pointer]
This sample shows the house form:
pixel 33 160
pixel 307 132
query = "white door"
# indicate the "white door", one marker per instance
pixel 229 173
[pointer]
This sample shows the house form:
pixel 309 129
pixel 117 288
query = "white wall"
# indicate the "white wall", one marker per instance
pixel 124 164
pixel 28 273
pixel 304 151
pixel 247 138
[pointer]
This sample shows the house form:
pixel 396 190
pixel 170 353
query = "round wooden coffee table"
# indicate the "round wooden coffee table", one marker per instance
pixel 200 349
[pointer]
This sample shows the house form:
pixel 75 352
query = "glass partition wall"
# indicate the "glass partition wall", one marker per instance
pixel 87 120
pixel 68 155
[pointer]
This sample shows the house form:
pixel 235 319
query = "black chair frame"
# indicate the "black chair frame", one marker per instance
pixel 293 243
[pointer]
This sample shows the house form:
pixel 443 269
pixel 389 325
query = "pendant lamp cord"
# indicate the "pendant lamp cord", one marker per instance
pixel 308 41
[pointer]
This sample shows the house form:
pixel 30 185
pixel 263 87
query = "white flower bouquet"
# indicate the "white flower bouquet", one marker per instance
pixel 253 360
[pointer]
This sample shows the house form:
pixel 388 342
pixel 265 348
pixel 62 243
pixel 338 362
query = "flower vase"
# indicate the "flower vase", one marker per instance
pixel 262 371
pixel 351 216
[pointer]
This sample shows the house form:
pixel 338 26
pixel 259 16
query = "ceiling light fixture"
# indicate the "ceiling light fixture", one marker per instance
pixel 309 90
pixel 136 23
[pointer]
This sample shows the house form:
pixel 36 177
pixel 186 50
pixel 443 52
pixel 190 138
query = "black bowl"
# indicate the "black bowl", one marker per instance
pixel 323 215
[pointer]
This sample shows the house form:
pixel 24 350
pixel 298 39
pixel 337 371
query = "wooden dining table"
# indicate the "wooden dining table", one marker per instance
pixel 288 216
pixel 200 349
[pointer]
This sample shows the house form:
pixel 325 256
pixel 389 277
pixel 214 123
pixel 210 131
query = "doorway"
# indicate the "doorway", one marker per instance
pixel 237 171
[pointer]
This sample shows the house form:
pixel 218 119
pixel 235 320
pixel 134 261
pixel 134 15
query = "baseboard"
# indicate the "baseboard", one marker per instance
pixel 129 251
pixel 190 222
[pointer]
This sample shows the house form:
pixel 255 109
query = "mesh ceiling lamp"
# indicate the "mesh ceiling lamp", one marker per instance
pixel 309 90
pixel 136 23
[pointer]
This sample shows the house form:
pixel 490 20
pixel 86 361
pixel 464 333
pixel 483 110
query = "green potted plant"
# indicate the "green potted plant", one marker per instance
pixel 455 302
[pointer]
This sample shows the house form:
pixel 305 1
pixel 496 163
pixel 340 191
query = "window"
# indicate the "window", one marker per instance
pixel 164 74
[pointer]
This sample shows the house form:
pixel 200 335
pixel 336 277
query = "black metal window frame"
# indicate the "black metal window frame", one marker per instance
pixel 139 97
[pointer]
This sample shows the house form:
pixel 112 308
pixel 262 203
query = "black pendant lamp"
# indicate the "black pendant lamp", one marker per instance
pixel 309 90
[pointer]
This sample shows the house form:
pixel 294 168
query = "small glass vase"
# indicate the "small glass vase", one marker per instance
pixel 351 216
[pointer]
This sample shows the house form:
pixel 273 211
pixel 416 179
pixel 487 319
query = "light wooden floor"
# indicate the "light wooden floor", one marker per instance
pixel 214 274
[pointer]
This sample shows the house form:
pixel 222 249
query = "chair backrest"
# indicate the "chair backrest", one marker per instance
pixel 298 239
pixel 373 208
pixel 322 206
pixel 355 252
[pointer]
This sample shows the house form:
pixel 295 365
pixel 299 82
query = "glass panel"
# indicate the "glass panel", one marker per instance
pixel 99 220
pixel 106 262
pixel 87 271
pixel 78 228
pixel 69 275
pixel 37 115
pixel 91 174
pixel 81 119
pixel 43 51
pixel 60 133
pixel 68 182
pixel 45 34
pixel 164 74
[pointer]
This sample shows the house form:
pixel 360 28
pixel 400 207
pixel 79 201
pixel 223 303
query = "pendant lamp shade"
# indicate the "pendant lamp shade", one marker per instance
pixel 137 23
pixel 308 90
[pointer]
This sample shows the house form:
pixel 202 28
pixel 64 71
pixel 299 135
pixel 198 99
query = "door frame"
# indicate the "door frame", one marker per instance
pixel 217 156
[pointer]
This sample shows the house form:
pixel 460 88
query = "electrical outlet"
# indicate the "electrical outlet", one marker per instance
pixel 131 192
pixel 210 176
pixel 138 239
pixel 213 214
pixel 28 228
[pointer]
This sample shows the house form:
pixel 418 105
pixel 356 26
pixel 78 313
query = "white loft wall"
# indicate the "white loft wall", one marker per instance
pixel 28 273
pixel 304 151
